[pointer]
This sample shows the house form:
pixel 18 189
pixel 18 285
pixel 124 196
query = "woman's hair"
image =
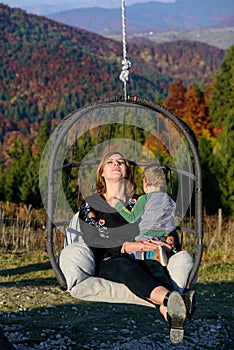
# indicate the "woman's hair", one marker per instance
pixel 101 183
pixel 177 240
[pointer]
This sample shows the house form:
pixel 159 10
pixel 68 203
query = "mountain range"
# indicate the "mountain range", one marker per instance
pixel 210 22
pixel 150 16
pixel 44 7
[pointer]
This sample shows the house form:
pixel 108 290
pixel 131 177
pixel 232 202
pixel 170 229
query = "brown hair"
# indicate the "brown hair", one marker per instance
pixel 101 183
pixel 155 175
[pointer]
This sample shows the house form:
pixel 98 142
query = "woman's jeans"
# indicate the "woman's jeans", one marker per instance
pixel 140 276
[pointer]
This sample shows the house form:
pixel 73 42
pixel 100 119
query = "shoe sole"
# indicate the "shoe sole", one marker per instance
pixel 176 310
pixel 190 303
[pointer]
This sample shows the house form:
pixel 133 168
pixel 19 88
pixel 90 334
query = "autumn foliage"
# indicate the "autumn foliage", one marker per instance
pixel 49 69
pixel 190 105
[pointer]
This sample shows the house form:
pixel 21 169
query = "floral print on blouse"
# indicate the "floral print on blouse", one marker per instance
pixel 88 215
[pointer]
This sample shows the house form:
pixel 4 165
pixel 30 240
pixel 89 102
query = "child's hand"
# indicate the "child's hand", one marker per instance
pixel 156 242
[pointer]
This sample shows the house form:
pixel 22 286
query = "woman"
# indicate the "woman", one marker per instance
pixel 111 239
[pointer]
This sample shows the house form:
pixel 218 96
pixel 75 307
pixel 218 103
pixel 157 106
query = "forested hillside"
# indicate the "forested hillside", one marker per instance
pixel 50 69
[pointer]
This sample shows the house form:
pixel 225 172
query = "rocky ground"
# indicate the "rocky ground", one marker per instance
pixel 36 314
pixel 199 334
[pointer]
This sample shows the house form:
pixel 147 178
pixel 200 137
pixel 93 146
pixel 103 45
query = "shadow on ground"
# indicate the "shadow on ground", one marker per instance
pixel 43 317
pixel 22 270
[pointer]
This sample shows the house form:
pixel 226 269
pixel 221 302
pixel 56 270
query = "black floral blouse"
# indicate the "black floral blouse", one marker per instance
pixel 103 228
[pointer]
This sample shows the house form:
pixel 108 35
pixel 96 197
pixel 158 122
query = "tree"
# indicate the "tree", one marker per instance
pixel 2 184
pixel 41 138
pixel 21 156
pixel 222 92
pixel 29 188
pixel 224 165
pixel 211 190
pixel 196 110
pixel 175 100
pixel 221 113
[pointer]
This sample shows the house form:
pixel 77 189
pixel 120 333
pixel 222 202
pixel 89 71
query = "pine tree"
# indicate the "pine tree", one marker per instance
pixel 224 155
pixel 211 189
pixel 29 188
pixel 221 113
pixel 222 92
pixel 21 156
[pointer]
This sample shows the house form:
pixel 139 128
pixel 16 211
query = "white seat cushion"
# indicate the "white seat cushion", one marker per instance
pixel 77 264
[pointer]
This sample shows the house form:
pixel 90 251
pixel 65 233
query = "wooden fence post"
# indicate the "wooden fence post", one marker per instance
pixel 220 219
pixel 0 218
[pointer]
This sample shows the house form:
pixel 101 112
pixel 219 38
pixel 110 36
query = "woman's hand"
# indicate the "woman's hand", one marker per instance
pixel 158 242
pixel 143 246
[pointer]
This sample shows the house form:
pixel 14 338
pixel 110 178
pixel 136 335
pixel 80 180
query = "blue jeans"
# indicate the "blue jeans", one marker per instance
pixel 140 276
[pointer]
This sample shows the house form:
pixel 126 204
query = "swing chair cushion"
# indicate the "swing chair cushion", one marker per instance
pixel 77 264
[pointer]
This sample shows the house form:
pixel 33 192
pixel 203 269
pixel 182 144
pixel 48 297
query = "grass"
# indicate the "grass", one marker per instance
pixel 30 297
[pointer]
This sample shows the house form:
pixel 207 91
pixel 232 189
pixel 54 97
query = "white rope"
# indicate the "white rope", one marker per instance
pixel 126 64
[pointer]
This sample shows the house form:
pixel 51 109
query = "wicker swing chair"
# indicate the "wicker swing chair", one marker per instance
pixel 146 133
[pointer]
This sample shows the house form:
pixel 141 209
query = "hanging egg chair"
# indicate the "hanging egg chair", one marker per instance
pixel 146 133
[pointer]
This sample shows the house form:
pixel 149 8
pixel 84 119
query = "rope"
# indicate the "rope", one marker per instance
pixel 126 64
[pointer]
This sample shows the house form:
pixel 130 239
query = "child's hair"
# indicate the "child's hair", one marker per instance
pixel 155 175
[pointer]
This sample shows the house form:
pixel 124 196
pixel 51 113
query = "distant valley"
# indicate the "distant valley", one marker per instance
pixel 222 38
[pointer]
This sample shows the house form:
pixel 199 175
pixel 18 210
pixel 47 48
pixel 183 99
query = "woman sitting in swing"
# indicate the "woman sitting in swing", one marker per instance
pixel 111 239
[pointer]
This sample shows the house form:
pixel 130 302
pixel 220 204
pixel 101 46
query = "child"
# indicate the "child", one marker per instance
pixel 155 211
